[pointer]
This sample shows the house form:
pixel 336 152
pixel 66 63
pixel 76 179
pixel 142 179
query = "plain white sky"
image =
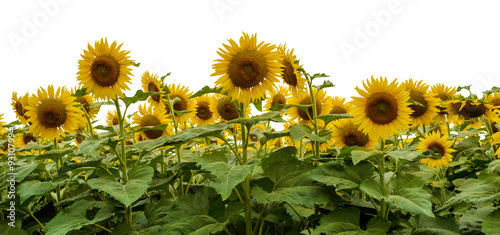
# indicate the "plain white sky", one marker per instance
pixel 452 42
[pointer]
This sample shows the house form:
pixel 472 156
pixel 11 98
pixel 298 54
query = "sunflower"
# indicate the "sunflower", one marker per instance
pixel 322 106
pixel 382 109
pixel 439 144
pixel 495 139
pixel 426 112
pixel 112 118
pixel 346 133
pixel 494 100
pixel 339 106
pixel 150 117
pixel 287 139
pixel 461 110
pixel 224 109
pixel 203 116
pixel 325 146
pixel 104 70
pixel 21 139
pixel 1 121
pixel 444 93
pixel 86 102
pixel 19 106
pixel 53 112
pixel 290 70
pixel 280 95
pixel 151 83
pixel 184 104
pixel 247 70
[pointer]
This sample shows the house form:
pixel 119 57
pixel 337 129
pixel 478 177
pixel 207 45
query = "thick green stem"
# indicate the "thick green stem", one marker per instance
pixel 123 157
pixel 314 118
pixel 246 182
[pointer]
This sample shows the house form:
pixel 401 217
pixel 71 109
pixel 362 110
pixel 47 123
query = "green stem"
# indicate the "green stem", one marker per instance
pixel 103 228
pixel 232 149
pixel 315 114
pixel 33 216
pixel 123 157
pixel 301 218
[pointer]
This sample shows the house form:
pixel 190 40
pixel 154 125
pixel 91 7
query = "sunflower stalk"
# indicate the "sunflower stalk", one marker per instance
pixel 246 182
pixel 314 118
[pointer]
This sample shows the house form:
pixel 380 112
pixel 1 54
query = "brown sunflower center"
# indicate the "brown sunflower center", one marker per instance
pixel 105 71
pixel 29 137
pixel 152 87
pixel 351 136
pixel 417 109
pixel 307 101
pixel 19 109
pixel 115 121
pixel 443 96
pixel 437 148
pixel 203 111
pixel 288 73
pixel 180 105
pixel 5 146
pixel 381 108
pixel 495 102
pixel 278 99
pixel 247 69
pixel 226 110
pixel 84 103
pixel 51 113
pixel 469 110
pixel 150 120
pixel 338 110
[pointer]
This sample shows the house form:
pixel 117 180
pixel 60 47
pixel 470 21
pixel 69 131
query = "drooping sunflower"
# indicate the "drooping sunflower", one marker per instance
pixel 439 144
pixel 382 110
pixel 224 109
pixel 105 70
pixel 150 117
pixel 290 70
pixel 444 93
pixel 247 70
pixel 86 102
pixel 280 95
pixel 53 112
pixel 322 106
pixel 184 104
pixel 426 112
pixel 346 133
pixel 19 106
pixel 339 106
pixel 203 116
pixel 151 82
pixel 461 110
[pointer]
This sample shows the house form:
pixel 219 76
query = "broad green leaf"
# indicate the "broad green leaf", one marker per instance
pixel 87 164
pixel 140 95
pixel 360 155
pixel 258 104
pixel 34 146
pixel 303 211
pixel 300 131
pixel 23 171
pixel 284 169
pixel 373 188
pixel 424 225
pixel 54 155
pixel 343 221
pixel 338 175
pixel 404 155
pixel 409 195
pixel 34 188
pixel 305 195
pixel 377 225
pixel 491 91
pixel 8 229
pixel 471 221
pixel 474 191
pixel 491 223
pixel 327 118
pixel 266 117
pixel 326 84
pixel 319 75
pixel 264 137
pixel 206 90
pixel 195 225
pixel 227 176
pixel 192 133
pixel 139 179
pixel 92 146
pixel 75 217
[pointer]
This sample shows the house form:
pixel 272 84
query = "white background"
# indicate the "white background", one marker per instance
pixel 452 42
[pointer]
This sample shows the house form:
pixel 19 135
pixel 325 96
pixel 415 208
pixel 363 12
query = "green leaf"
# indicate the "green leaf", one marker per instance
pixel 34 188
pixel 474 191
pixel 305 195
pixel 264 137
pixel 139 179
pixel 338 175
pixel 284 169
pixel 8 229
pixel 319 75
pixel 404 155
pixel 424 225
pixel 459 88
pixel 33 146
pixel 360 155
pixel 54 155
pixel 80 92
pixel 327 118
pixel 377 225
pixel 136 64
pixel 346 221
pixel 373 188
pixel 491 223
pixel 92 146
pixel 413 102
pixel 258 104
pixel 471 222
pixel 75 217
pixel 227 176
pixel 206 90
pixel 300 131
pixel 195 132
pixel 23 171
pixel 265 117
pixel 491 91
pixel 326 84
pixel 195 225
pixel 140 95
pixel 410 196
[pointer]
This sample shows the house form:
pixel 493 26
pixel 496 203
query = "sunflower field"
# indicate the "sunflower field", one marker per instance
pixel 262 150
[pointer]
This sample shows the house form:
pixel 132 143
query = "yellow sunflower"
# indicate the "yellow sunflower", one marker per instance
pixel 1 121
pixel 149 117
pixel 494 100
pixel 287 139
pixel 439 144
pixel 21 139
pixel 325 146
pixel 19 106
pixel 290 71
pixel 224 109
pixel 105 70
pixel 322 106
pixel 112 118
pixel 247 70
pixel 461 110
pixel 346 133
pixel 426 112
pixel 53 112
pixel 444 93
pixel 339 106
pixel 86 102
pixel 151 82
pixel 495 139
pixel 280 95
pixel 382 110
pixel 184 104
pixel 203 116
